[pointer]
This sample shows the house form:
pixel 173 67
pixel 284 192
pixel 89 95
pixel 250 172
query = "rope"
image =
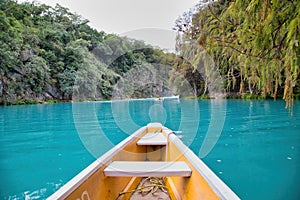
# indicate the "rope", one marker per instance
pixel 155 184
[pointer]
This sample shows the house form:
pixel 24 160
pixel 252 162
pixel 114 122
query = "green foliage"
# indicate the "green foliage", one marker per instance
pixel 254 43
pixel 49 53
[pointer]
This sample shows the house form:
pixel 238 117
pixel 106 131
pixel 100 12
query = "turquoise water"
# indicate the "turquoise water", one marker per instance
pixel 253 146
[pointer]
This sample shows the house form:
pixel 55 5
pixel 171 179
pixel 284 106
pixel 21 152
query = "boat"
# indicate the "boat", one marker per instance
pixel 159 99
pixel 172 97
pixel 167 98
pixel 152 161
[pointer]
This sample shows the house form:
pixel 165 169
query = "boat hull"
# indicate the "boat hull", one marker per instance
pixel 92 183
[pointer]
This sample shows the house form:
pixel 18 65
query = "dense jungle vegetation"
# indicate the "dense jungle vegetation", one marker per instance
pixel 241 48
pixel 52 54
pixel 254 44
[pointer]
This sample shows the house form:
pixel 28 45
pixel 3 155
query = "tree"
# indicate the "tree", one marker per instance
pixel 254 43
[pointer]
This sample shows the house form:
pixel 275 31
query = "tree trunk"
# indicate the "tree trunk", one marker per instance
pixel 195 88
pixel 250 88
pixel 205 87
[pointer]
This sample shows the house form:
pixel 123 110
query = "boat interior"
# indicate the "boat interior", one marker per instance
pixel 150 164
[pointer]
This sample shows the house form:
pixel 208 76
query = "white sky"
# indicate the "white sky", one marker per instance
pixel 149 20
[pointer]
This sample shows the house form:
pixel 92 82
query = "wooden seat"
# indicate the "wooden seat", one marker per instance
pixel 145 169
pixel 153 139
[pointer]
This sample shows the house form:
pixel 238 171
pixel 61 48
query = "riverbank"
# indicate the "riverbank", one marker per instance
pixel 228 96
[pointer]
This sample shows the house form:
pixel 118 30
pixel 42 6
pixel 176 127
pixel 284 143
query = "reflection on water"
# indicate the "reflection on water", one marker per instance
pixel 254 146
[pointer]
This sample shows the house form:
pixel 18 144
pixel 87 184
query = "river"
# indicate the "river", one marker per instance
pixel 252 145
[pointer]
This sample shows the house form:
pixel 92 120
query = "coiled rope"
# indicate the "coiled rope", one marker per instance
pixel 155 184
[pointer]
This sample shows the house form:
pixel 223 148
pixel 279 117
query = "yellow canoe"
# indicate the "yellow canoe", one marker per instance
pixel 152 151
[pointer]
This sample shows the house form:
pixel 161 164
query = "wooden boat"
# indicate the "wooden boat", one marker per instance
pixel 167 98
pixel 151 151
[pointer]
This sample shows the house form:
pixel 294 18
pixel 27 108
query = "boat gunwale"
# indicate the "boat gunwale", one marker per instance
pixel 76 181
pixel 218 186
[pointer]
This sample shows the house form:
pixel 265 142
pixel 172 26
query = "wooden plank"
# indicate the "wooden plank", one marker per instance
pixel 144 169
pixel 153 139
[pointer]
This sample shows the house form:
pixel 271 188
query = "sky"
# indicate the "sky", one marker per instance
pixel 148 20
